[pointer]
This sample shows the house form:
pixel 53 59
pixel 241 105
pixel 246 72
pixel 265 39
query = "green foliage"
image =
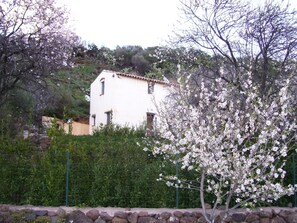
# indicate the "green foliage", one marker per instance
pixel 84 69
pixel 109 168
pixel 116 130
pixel 19 109
pixel 70 90
pixel 55 130
pixel 17 160
pixel 155 73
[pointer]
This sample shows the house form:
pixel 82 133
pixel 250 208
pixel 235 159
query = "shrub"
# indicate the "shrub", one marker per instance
pixel 109 168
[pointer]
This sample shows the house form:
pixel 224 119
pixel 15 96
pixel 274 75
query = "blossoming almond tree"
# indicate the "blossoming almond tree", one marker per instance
pixel 236 141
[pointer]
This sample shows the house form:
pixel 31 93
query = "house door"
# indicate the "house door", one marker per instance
pixel 150 123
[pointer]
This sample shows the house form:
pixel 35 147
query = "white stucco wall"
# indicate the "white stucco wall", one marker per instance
pixel 126 97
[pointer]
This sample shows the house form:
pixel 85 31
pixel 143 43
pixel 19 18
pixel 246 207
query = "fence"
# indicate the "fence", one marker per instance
pixel 121 177
pixel 94 171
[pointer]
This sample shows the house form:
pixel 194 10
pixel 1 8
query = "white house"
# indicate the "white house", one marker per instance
pixel 125 99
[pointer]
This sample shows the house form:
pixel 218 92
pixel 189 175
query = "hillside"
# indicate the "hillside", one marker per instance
pixel 64 94
pixel 71 87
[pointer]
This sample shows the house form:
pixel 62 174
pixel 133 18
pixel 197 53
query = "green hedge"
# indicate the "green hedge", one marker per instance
pixel 109 168
pixel 17 158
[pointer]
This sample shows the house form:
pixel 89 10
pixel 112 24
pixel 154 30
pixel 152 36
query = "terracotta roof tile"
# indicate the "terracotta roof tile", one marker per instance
pixel 139 77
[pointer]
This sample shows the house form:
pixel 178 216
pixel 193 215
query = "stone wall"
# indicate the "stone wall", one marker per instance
pixel 12 214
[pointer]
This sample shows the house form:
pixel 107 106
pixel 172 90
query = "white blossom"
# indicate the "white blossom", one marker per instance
pixel 235 146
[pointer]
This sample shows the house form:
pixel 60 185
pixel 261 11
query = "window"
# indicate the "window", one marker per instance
pixel 108 117
pixel 102 86
pixel 150 88
pixel 150 123
pixel 93 120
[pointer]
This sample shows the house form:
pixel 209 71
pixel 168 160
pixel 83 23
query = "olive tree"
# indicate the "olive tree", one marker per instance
pixel 34 43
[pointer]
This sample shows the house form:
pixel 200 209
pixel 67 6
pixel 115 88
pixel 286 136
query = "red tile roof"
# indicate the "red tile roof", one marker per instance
pixel 139 77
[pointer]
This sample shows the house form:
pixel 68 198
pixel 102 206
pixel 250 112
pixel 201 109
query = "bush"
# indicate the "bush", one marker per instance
pixel 17 160
pixel 109 168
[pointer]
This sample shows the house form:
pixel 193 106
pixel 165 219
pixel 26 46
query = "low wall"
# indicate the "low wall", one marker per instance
pixel 77 128
pixel 22 214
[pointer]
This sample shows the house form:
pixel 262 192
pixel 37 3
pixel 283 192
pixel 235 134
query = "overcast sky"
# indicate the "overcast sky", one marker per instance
pixel 126 22
pixel 123 22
